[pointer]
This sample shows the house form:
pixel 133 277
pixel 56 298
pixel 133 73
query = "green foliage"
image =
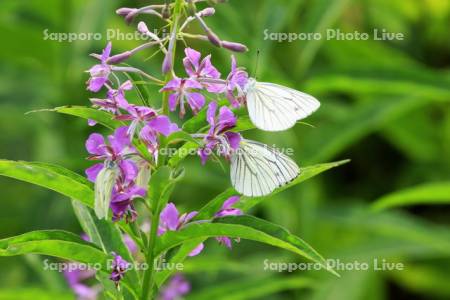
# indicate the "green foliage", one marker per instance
pixel 384 105
pixel 430 193
pixel 56 243
pixel 52 177
pixel 246 227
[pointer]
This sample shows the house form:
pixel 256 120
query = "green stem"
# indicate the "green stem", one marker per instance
pixel 150 257
pixel 148 283
pixel 165 101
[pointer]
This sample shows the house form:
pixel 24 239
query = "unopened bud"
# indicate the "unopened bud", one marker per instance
pixel 167 63
pixel 130 17
pixel 124 11
pixel 236 47
pixel 213 38
pixel 142 27
pixel 118 58
pixel 207 12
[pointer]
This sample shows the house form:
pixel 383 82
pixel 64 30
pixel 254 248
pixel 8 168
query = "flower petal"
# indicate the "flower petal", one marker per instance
pixel 106 52
pixel 197 250
pixel 169 216
pixel 95 144
pixel 211 113
pixel 161 124
pixel 93 171
pixel 120 140
pixel 234 139
pixel 196 101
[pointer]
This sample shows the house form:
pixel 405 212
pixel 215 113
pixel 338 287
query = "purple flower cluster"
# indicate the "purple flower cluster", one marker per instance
pixel 119 267
pixel 219 135
pixel 116 154
pixel 202 75
pixel 78 278
pixel 171 220
pixel 127 157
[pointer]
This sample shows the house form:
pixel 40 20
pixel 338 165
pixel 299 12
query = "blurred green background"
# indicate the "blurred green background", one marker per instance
pixel 385 105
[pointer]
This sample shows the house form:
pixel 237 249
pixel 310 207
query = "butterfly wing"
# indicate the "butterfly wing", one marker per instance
pixel 274 107
pixel 257 169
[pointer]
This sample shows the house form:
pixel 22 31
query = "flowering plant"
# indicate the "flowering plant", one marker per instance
pixel 124 204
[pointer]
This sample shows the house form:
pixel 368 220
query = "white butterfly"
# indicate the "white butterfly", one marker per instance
pixel 274 107
pixel 257 169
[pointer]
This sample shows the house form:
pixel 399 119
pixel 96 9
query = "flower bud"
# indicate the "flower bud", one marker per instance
pixel 124 11
pixel 118 58
pixel 207 12
pixel 130 17
pixel 167 63
pixel 142 27
pixel 213 38
pixel 236 47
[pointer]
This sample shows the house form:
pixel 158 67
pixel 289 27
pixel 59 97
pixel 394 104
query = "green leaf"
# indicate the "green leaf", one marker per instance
pixel 252 288
pixel 243 123
pixel 246 227
pixel 180 136
pixel 160 187
pixel 429 193
pixel 142 89
pixel 50 176
pixel 395 225
pixel 107 236
pixel 245 203
pixel 179 257
pixel 197 122
pixel 33 293
pixel 182 153
pixel 102 117
pixel 213 206
pixel 56 243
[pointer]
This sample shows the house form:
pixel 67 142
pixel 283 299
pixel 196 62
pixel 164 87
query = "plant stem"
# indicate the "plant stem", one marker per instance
pixel 150 257
pixel 148 283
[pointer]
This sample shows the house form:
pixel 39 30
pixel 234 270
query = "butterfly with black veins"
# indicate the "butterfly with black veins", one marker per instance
pixel 257 169
pixel 274 107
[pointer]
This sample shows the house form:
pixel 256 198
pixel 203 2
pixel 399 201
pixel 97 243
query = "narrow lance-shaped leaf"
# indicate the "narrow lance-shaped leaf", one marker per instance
pixel 88 113
pixel 50 176
pixel 429 193
pixel 252 288
pixel 246 227
pixel 214 205
pixel 56 243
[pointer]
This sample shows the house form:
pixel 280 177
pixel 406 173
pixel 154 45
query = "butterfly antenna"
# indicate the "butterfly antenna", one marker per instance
pixel 255 69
